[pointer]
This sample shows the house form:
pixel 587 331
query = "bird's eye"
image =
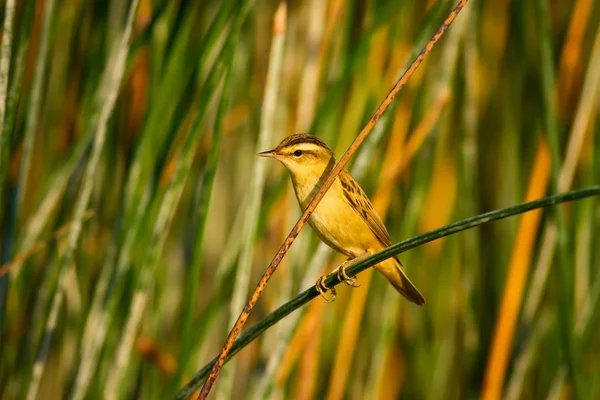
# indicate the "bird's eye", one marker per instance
pixel 298 153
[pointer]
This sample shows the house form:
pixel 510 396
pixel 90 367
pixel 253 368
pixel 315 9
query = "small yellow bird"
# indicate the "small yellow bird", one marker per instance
pixel 345 218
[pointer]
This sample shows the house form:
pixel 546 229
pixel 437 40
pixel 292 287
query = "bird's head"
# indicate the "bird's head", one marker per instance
pixel 306 157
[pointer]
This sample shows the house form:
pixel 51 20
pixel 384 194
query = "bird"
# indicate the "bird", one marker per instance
pixel 345 219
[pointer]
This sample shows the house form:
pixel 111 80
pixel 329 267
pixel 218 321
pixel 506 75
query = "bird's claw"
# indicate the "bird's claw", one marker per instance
pixel 322 289
pixel 344 277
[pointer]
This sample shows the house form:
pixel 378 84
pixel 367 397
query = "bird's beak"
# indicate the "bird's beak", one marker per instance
pixel 270 153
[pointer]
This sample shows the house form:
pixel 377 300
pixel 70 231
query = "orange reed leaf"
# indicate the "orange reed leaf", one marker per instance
pixel 570 65
pixel 515 280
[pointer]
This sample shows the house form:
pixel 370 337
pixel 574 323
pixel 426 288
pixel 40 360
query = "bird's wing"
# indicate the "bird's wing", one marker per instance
pixel 362 205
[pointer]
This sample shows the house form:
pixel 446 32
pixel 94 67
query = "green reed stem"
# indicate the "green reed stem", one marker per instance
pixel 332 280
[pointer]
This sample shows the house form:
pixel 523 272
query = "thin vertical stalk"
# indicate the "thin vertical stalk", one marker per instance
pixel 57 185
pixel 571 54
pixel 514 286
pixel 10 103
pixel 8 109
pixel 5 131
pixel 527 357
pixel 16 74
pixel 93 330
pixel 583 329
pixel 100 315
pixel 310 72
pixel 16 82
pixel 107 96
pixel 565 287
pixel 177 75
pixel 193 281
pixel 35 105
pixel 233 243
pixel 40 364
pixel 267 127
pixel 583 245
pixel 471 174
pixel 5 60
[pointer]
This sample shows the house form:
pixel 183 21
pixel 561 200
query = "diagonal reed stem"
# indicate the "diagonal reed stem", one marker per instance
pixel 235 331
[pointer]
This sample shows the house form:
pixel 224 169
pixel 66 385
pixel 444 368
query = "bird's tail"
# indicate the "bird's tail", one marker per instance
pixel 392 270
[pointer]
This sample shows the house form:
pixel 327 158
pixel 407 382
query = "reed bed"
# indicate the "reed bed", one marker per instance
pixel 136 217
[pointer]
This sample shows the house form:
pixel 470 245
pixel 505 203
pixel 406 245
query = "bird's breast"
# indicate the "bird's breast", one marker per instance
pixel 337 223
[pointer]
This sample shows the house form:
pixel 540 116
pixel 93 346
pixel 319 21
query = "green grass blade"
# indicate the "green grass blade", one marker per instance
pixel 565 302
pixel 5 61
pixel 167 207
pixel 194 278
pixel 41 219
pixel 8 110
pixel 35 103
pixel 137 198
pixel 107 96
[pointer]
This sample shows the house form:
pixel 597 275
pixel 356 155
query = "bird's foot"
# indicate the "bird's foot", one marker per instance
pixel 322 289
pixel 344 277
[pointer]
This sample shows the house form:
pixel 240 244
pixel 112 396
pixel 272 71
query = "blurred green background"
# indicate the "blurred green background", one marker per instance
pixel 136 218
